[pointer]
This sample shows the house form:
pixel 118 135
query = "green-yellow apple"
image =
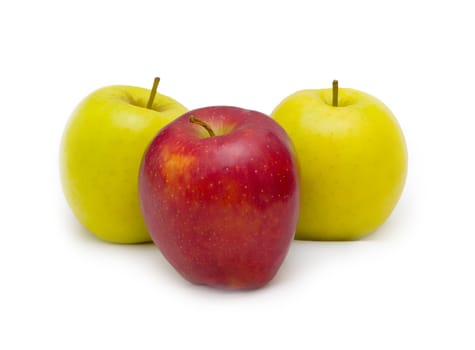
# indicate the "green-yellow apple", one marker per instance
pixel 352 157
pixel 219 193
pixel 100 155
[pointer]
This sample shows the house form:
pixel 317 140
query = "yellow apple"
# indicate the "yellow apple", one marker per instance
pixel 100 155
pixel 352 157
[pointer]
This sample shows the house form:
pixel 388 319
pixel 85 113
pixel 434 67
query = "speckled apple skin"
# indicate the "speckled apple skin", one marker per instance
pixel 223 210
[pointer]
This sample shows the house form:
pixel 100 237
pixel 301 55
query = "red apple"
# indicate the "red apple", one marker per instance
pixel 219 194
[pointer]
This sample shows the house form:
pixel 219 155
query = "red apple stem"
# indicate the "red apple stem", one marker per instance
pixel 195 120
pixel 335 93
pixel 153 92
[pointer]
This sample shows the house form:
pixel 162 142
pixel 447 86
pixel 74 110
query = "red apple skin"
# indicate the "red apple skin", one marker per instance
pixel 223 210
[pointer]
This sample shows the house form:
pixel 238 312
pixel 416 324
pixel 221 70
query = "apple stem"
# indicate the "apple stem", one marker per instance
pixel 195 120
pixel 335 93
pixel 153 92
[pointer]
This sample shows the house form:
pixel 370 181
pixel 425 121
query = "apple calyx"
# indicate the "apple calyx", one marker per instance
pixel 153 92
pixel 335 93
pixel 198 121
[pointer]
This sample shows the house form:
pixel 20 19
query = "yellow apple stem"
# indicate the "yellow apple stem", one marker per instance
pixel 195 120
pixel 335 93
pixel 153 92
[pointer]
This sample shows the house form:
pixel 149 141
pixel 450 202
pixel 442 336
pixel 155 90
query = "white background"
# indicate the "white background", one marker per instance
pixel 408 286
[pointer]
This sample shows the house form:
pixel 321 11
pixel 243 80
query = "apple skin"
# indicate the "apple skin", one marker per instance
pixel 100 153
pixel 223 209
pixel 353 161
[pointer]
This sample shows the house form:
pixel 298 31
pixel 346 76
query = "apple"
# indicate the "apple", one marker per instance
pixel 353 161
pixel 219 194
pixel 100 155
